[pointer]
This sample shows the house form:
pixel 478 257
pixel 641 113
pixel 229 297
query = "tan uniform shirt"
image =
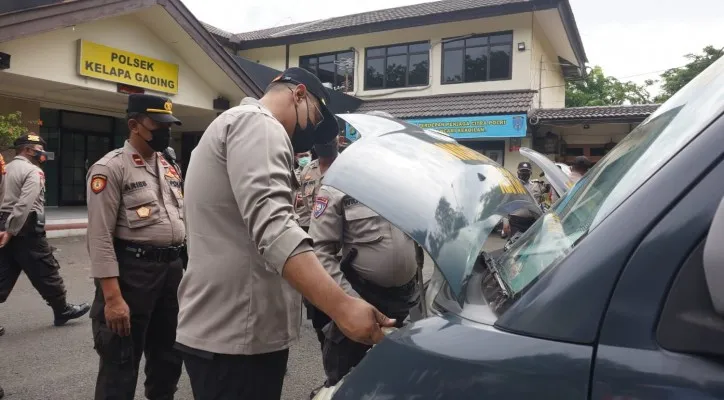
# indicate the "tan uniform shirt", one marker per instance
pixel 24 193
pixel 2 178
pixel 385 255
pixel 131 199
pixel 299 208
pixel 310 181
pixel 242 230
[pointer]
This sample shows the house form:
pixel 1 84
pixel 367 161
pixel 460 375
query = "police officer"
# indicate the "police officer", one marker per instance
pixel 24 245
pixel 580 166
pixel 378 264
pixel 248 258
pixel 301 212
pixel 311 181
pixel 524 174
pixel 135 240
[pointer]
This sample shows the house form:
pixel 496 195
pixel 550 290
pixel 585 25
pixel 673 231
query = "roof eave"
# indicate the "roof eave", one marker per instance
pixel 574 36
pixel 454 16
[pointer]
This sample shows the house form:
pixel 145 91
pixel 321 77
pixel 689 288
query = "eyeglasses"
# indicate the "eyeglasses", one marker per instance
pixel 319 114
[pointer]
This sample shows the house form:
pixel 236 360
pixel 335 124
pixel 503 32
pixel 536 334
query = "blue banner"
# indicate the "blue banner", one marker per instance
pixel 488 126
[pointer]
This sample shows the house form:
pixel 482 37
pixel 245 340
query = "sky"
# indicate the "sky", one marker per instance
pixel 630 39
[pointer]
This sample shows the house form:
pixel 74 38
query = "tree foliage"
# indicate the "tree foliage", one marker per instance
pixel 597 89
pixel 676 78
pixel 11 127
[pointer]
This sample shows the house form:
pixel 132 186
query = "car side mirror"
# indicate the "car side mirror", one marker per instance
pixel 714 260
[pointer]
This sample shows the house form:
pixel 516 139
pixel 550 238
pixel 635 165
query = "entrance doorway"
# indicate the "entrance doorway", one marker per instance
pixel 493 149
pixel 78 151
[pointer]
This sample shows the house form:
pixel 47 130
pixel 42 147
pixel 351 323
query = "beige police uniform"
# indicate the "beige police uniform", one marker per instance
pixel 300 212
pixel 136 233
pixel 135 200
pixel 239 194
pixel 385 255
pixel 24 193
pixel 382 273
pixel 310 182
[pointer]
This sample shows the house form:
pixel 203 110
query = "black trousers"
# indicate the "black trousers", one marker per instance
pixel 149 288
pixel 31 253
pixel 237 377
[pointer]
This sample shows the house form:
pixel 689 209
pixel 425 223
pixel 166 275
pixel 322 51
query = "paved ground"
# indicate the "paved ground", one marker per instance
pixel 42 362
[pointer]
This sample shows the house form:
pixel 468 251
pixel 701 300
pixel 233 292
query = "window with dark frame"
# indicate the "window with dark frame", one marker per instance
pixel 396 66
pixel 335 68
pixel 478 58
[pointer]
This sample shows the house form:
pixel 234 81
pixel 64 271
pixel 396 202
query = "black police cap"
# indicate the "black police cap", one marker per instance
pixel 299 76
pixel 31 138
pixel 524 165
pixel 159 109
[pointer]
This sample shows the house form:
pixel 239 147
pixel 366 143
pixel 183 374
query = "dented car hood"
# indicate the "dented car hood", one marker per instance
pixel 446 197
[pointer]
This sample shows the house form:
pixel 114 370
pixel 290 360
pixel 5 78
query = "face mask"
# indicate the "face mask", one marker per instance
pixel 42 156
pixel 303 139
pixel 303 161
pixel 524 175
pixel 160 140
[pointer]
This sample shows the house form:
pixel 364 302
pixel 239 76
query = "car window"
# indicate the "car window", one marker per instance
pixel 613 179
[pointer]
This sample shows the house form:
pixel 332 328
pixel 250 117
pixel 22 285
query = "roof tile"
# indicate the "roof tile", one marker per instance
pixel 602 112
pixel 390 14
pixel 453 105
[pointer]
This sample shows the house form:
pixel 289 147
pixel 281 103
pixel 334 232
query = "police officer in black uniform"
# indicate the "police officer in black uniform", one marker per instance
pixel 23 243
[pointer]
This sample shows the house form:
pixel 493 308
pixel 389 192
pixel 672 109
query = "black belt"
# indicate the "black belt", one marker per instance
pixel 151 253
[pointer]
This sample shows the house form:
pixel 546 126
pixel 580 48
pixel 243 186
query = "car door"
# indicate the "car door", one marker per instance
pixel 661 338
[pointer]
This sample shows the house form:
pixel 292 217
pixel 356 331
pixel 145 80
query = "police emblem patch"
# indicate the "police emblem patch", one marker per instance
pixel 143 212
pixel 98 183
pixel 320 204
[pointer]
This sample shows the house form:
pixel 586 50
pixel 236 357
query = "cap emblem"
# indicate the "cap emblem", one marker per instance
pixel 168 106
pixel 34 138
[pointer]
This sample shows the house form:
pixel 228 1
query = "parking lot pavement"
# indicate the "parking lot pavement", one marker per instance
pixel 42 362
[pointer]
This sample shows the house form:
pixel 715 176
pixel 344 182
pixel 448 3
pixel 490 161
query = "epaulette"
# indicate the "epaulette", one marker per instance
pixel 109 156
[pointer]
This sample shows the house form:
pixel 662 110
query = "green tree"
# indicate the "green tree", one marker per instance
pixel 597 89
pixel 676 78
pixel 11 127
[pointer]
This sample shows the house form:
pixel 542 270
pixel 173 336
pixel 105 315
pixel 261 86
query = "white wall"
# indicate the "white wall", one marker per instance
pixel 546 72
pixel 272 57
pixel 54 56
pixel 520 24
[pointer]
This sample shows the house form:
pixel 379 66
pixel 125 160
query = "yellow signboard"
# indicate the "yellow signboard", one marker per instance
pixel 109 64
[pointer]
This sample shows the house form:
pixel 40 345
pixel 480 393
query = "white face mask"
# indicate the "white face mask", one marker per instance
pixel 303 161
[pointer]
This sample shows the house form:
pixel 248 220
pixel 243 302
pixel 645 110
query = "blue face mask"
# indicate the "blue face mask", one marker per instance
pixel 303 161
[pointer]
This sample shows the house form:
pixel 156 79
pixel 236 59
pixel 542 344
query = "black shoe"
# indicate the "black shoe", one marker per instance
pixel 2 393
pixel 71 311
pixel 2 330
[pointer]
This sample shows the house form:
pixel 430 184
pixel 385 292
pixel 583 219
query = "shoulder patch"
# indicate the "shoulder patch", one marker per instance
pixel 108 157
pixel 320 204
pixel 98 183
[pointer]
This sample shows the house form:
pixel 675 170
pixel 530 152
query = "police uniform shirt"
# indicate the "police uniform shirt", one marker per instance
pixel 298 200
pixel 311 181
pixel 24 193
pixel 239 208
pixel 131 199
pixel 385 255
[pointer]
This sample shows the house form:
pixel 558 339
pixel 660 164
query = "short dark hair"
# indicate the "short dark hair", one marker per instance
pixel 278 86
pixel 135 115
pixel 22 147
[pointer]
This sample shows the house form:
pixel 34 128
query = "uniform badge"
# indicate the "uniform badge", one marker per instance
pixel 138 160
pixel 143 212
pixel 98 183
pixel 320 204
pixel 164 163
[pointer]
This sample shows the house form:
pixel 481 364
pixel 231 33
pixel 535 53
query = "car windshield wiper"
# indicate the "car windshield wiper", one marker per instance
pixel 494 269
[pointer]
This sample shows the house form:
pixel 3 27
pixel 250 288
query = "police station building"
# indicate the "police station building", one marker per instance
pixel 68 67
